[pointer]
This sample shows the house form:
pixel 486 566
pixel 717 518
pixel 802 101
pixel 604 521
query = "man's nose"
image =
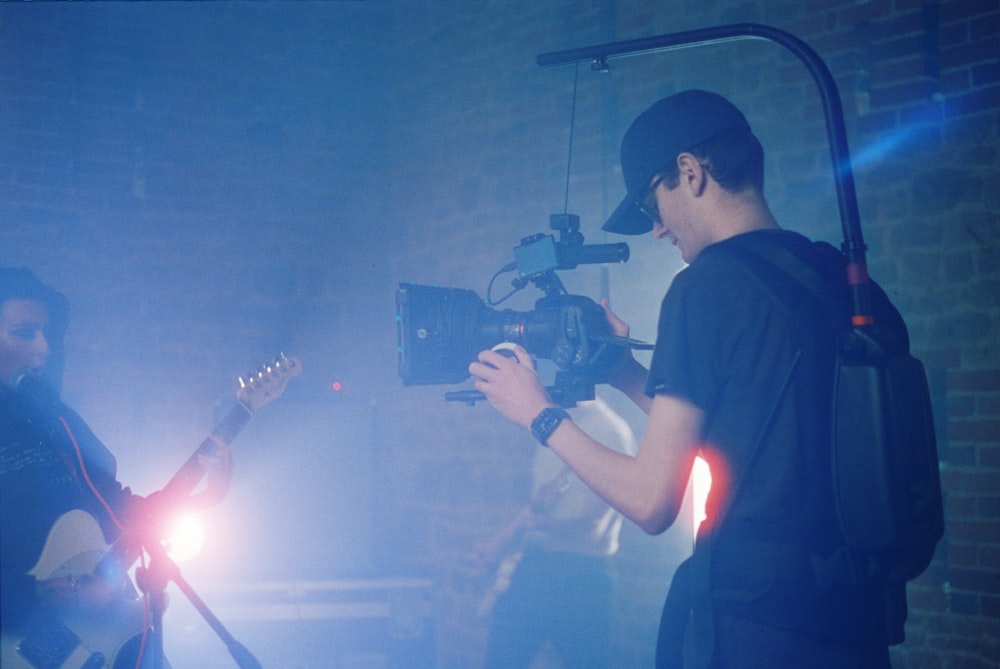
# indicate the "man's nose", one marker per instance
pixel 41 346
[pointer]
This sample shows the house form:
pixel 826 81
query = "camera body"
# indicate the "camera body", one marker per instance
pixel 442 330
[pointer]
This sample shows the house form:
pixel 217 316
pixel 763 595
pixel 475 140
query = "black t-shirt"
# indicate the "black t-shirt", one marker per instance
pixel 762 374
pixel 40 480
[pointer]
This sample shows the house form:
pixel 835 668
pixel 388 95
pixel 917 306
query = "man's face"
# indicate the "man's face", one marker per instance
pixel 671 221
pixel 23 346
pixel 674 214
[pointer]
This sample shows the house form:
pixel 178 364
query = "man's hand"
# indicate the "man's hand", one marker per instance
pixel 511 385
pixel 626 373
pixel 618 327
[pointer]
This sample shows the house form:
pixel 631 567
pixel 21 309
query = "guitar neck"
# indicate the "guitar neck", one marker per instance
pixel 191 472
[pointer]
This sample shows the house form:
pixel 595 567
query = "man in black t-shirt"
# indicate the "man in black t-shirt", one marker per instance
pixel 736 378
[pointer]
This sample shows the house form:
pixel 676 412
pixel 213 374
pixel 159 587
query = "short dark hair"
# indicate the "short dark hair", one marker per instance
pixel 734 158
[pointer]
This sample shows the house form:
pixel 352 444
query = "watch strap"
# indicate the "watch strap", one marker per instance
pixel 546 423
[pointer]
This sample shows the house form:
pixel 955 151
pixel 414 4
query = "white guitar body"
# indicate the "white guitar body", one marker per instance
pixel 72 637
pixel 109 639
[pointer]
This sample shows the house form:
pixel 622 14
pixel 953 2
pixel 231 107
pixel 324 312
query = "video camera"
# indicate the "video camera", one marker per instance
pixel 442 330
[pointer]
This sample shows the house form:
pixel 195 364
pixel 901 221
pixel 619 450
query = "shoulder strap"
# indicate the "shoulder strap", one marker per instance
pixel 771 264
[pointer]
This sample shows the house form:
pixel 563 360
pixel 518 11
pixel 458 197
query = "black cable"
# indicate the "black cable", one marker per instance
pixel 572 127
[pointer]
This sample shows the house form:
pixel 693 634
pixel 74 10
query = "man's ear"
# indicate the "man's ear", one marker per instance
pixel 692 173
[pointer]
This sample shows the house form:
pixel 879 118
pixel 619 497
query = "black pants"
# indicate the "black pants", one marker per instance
pixel 739 643
pixel 560 598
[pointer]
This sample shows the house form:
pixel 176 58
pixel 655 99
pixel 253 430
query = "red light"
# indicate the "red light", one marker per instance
pixel 701 482
pixel 336 386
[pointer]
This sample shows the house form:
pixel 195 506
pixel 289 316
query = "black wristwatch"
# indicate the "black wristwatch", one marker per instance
pixel 546 423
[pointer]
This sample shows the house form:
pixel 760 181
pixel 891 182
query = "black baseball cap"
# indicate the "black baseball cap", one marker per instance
pixel 671 126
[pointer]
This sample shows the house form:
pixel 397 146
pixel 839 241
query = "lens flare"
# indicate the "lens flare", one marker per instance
pixel 186 539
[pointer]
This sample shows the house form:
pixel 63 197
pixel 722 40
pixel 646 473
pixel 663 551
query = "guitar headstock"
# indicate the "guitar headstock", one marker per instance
pixel 268 382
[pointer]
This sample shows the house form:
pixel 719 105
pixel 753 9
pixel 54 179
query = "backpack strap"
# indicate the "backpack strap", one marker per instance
pixel 702 607
pixel 769 272
pixel 767 261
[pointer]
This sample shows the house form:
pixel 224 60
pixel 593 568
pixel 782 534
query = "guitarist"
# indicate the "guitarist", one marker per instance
pixel 51 463
pixel 562 543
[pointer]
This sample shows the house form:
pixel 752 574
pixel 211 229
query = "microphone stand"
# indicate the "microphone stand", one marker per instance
pixel 153 581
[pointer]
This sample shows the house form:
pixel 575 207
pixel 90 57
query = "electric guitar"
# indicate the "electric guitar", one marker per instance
pixel 111 637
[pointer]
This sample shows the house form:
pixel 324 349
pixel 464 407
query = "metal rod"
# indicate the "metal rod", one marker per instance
pixel 847 200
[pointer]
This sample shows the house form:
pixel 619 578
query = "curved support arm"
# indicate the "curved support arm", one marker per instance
pixel 847 200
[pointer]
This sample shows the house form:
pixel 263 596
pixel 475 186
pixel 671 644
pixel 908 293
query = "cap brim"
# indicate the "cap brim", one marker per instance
pixel 628 220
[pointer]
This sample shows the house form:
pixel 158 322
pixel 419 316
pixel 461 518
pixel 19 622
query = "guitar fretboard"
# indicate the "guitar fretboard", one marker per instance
pixel 191 472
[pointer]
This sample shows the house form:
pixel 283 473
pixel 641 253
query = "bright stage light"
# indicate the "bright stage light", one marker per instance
pixel 186 538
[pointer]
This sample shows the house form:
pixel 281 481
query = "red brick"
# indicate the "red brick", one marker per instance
pixel 973 102
pixel 983 430
pixel 963 554
pixel 986 74
pixel 988 380
pixel 985 26
pixel 990 606
pixel 988 456
pixel 909 67
pixel 989 556
pixel 979 580
pixel 897 47
pixel 959 505
pixel 955 82
pixel 867 12
pixel 904 93
pixel 941 358
pixel 975 480
pixel 979 51
pixel 958 10
pixel 973 531
pixel 926 598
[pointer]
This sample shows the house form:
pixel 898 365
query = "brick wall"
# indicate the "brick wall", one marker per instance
pixel 212 183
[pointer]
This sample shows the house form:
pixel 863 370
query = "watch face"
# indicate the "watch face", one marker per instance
pixel 545 424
